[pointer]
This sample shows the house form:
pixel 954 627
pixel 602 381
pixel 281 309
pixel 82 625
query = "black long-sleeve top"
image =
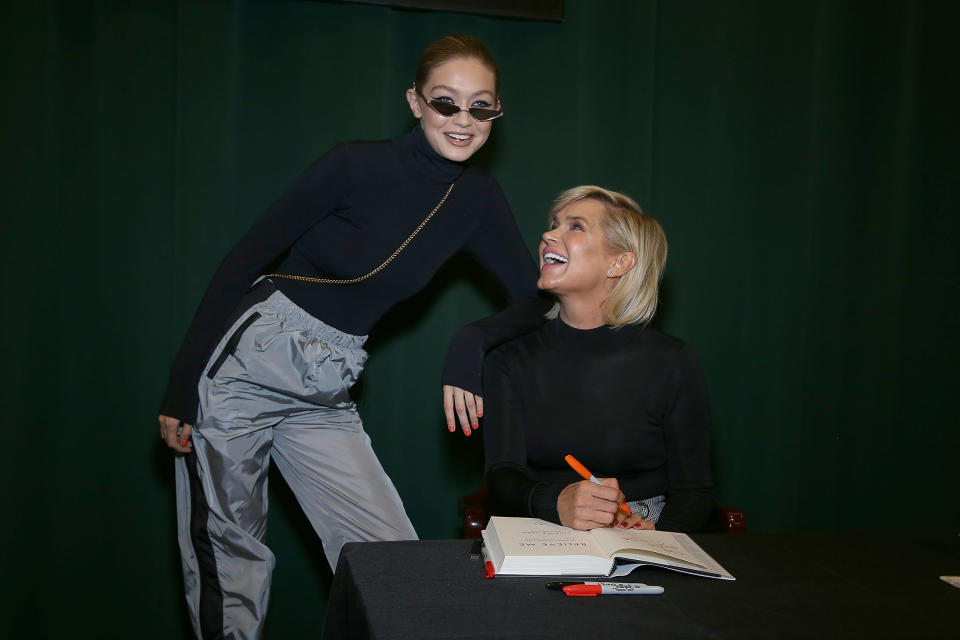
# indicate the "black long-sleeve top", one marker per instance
pixel 341 219
pixel 629 403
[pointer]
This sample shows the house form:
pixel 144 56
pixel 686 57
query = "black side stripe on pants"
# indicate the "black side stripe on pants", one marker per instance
pixel 211 595
pixel 231 344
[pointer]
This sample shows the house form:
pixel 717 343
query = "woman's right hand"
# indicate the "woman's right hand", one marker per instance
pixel 585 505
pixel 176 434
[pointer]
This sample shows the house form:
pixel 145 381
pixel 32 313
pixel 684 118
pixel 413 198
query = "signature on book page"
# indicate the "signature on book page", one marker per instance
pixel 659 546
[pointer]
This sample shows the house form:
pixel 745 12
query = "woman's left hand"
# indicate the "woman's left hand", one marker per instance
pixel 461 404
pixel 633 521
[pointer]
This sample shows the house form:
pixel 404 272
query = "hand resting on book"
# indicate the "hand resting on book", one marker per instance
pixel 633 521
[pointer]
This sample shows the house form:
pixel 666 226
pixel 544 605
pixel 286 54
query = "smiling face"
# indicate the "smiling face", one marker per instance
pixel 465 82
pixel 576 262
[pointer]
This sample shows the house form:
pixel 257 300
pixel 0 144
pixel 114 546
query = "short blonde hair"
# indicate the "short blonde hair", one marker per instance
pixel 627 229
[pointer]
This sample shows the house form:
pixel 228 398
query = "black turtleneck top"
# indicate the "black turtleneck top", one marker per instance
pixel 629 403
pixel 342 218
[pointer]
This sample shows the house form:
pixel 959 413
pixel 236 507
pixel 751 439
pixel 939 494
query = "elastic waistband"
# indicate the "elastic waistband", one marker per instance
pixel 265 296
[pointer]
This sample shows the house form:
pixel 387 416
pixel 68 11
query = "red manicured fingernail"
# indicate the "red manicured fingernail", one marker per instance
pixel 479 414
pixel 474 425
pixel 183 443
pixel 450 428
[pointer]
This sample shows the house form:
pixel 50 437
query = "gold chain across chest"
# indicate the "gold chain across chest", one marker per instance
pixel 385 262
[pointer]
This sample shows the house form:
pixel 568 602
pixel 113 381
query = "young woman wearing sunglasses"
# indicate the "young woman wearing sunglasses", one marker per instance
pixel 265 370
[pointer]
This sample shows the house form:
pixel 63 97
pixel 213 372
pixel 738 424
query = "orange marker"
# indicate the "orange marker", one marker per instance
pixel 582 470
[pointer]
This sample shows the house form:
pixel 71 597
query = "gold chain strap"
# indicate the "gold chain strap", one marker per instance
pixel 385 262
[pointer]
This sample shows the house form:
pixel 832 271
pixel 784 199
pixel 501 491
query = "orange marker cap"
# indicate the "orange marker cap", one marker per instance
pixel 579 468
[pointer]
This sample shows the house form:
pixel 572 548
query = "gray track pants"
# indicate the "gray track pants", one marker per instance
pixel 276 388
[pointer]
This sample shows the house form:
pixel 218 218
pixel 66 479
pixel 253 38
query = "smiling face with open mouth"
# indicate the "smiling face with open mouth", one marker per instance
pixel 575 258
pixel 463 82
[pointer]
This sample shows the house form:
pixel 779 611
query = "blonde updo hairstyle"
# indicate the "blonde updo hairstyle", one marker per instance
pixel 454 47
pixel 627 229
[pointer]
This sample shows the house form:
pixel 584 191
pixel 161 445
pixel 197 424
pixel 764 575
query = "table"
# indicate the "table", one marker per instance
pixel 878 584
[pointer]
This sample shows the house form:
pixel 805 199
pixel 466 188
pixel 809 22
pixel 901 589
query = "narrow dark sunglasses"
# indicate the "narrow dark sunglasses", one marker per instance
pixel 448 110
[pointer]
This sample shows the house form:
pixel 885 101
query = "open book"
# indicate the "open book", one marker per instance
pixel 532 547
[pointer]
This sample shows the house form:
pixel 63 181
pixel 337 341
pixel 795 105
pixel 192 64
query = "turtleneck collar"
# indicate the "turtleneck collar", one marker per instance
pixel 427 162
pixel 603 339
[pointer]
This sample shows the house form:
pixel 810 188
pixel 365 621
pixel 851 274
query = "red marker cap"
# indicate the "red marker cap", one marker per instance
pixel 488 571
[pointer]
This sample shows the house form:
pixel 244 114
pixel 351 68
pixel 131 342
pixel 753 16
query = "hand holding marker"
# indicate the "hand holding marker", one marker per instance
pixel 582 470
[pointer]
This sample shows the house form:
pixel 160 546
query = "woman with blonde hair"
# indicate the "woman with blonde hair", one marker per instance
pixel 597 382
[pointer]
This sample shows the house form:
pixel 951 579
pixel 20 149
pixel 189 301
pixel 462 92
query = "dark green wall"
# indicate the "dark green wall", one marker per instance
pixel 801 156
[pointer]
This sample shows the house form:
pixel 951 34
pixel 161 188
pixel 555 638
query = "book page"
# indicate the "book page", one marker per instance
pixel 705 566
pixel 668 545
pixel 534 537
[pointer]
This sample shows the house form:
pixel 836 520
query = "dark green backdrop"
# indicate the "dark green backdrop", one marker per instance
pixel 799 154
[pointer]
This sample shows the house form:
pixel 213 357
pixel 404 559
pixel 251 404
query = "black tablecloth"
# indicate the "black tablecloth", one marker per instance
pixel 881 584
